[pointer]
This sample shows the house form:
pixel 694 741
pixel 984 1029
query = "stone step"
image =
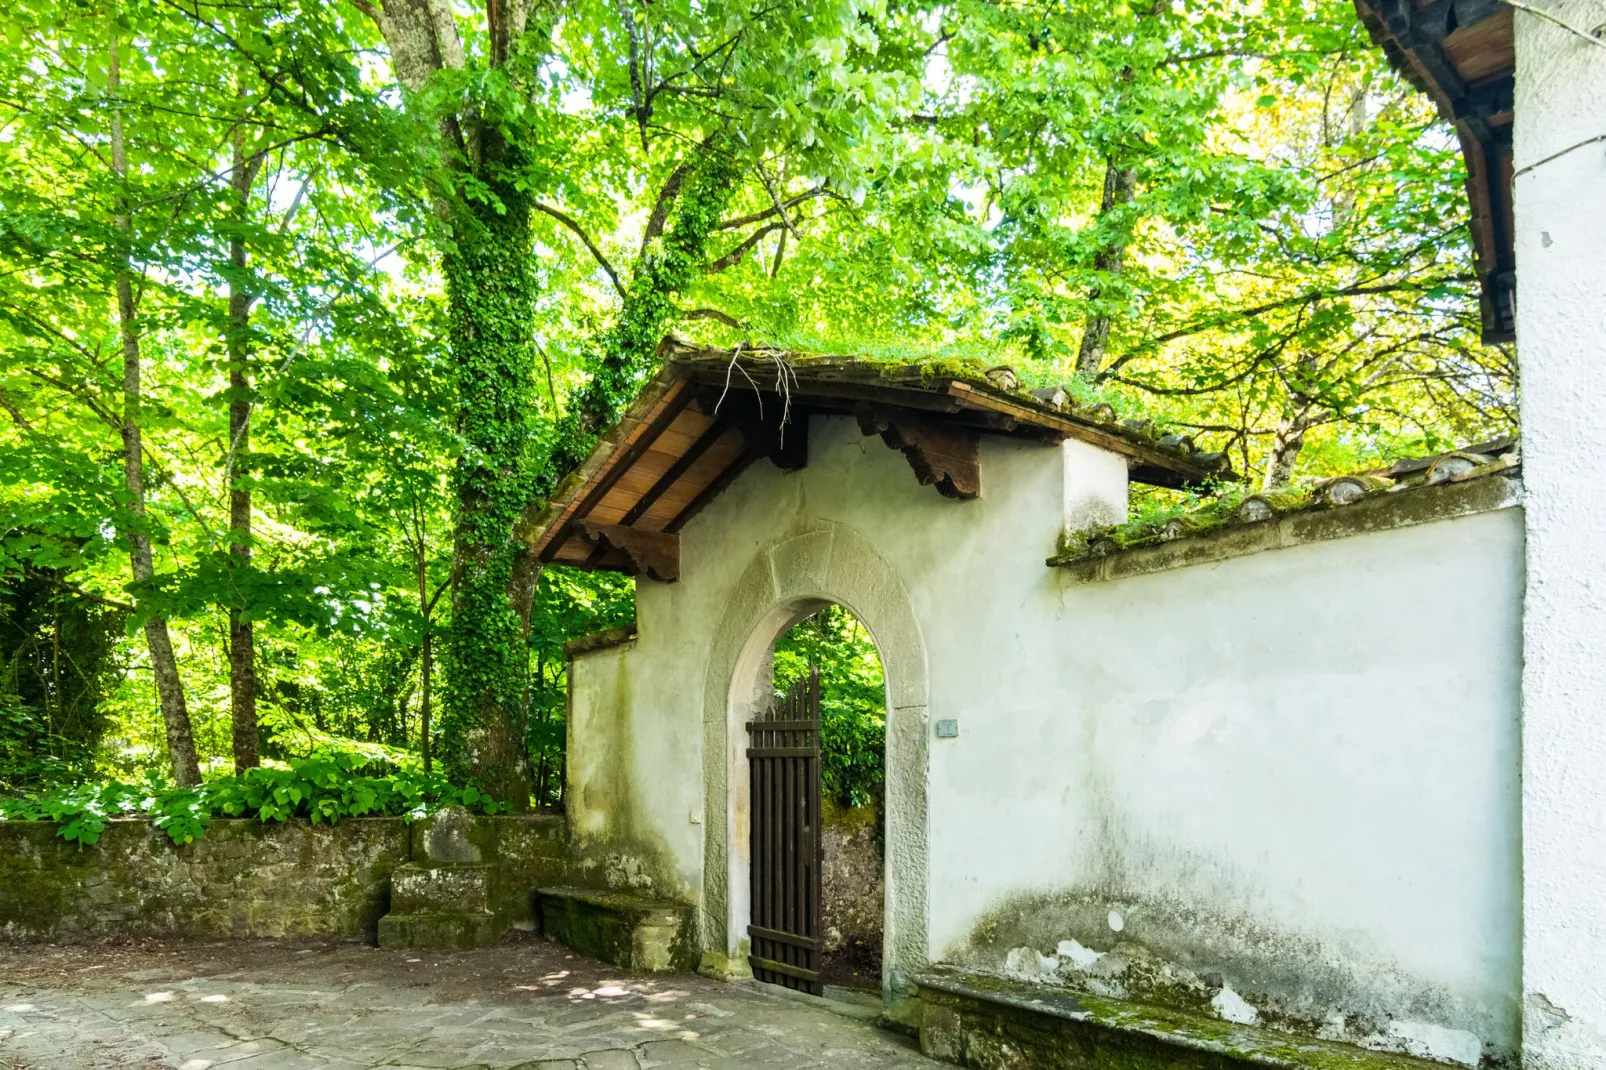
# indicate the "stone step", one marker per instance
pixel 992 1023
pixel 434 931
pixel 620 928
pixel 443 887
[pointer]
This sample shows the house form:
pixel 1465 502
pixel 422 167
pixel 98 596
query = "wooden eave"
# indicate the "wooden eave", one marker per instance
pixel 707 416
pixel 1462 53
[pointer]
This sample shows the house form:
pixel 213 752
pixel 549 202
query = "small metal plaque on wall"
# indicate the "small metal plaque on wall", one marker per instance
pixel 947 729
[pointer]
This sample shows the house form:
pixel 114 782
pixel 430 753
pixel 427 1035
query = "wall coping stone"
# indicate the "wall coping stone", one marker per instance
pixel 588 644
pixel 1403 508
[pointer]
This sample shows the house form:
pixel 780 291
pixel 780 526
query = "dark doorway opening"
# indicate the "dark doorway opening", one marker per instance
pixel 852 735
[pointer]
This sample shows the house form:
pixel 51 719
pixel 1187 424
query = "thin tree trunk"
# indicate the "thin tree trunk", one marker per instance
pixel 426 645
pixel 242 634
pixel 1300 414
pixel 169 687
pixel 1120 186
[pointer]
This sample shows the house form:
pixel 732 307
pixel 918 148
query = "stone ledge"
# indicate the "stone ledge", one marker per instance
pixel 1378 512
pixel 991 1023
pixel 613 637
pixel 444 887
pixel 436 931
pixel 626 930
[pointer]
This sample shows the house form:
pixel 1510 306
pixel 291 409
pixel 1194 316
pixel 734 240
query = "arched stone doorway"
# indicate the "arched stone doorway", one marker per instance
pixel 786 580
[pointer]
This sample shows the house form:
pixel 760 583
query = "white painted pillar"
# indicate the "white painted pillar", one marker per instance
pixel 1561 331
pixel 1095 486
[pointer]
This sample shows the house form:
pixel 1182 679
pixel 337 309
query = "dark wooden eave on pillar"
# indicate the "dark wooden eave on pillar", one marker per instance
pixel 1462 53
pixel 708 415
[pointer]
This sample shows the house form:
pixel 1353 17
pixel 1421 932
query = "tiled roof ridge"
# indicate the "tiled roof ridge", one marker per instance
pixel 1240 507
pixel 1058 400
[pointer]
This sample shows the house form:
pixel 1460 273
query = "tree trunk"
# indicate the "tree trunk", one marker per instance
pixel 1285 447
pixel 242 636
pixel 426 645
pixel 491 292
pixel 1120 186
pixel 169 687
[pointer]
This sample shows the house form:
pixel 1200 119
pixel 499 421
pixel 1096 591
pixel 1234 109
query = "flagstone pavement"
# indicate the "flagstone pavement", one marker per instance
pixel 262 1006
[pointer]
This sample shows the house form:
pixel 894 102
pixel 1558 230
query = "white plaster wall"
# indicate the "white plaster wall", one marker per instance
pixel 634 774
pixel 1297 770
pixel 1561 328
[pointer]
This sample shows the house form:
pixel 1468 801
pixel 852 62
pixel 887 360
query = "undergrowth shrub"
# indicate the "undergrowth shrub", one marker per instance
pixel 325 787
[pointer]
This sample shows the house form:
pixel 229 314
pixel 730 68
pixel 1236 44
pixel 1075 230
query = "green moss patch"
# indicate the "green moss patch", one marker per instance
pixel 993 1023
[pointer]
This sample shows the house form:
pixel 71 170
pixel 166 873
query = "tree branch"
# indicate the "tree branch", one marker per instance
pixel 775 198
pixel 1224 318
pixel 736 254
pixel 88 596
pixel 776 208
pixel 666 197
pixel 711 314
pixel 16 414
pixel 579 231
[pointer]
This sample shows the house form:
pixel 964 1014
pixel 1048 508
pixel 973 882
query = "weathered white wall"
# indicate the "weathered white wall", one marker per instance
pixel 1561 327
pixel 1293 773
pixel 633 767
pixel 1295 769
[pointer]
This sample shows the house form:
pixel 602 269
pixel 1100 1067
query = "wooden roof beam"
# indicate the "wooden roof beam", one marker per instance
pixel 671 476
pixel 1143 459
pixel 774 429
pixel 674 404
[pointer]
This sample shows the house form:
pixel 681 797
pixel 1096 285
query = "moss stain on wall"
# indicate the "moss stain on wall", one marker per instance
pixel 1235 970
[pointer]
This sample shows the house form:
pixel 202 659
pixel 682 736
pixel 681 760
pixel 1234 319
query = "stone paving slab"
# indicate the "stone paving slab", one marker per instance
pixel 529 1005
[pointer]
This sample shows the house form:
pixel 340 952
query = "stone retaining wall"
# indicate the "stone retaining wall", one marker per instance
pixel 853 885
pixel 243 879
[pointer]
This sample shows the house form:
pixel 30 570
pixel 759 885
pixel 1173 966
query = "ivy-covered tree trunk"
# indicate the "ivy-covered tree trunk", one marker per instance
pixel 491 291
pixel 670 262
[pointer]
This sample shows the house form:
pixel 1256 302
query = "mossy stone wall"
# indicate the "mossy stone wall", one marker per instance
pixel 853 885
pixel 242 879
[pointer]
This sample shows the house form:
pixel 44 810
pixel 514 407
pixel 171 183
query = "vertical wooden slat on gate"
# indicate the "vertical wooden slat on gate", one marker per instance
pixel 786 883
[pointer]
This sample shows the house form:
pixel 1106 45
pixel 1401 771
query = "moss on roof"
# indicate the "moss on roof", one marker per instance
pixel 910 366
pixel 1237 505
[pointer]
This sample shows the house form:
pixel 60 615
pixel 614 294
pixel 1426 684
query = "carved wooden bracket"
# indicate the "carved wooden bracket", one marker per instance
pixel 651 552
pixel 941 455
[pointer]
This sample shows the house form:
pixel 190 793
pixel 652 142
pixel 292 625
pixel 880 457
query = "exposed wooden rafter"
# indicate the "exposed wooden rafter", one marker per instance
pixel 675 400
pixel 1462 54
pixel 771 426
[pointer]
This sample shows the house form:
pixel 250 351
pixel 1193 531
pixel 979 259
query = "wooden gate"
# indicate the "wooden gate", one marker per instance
pixel 783 761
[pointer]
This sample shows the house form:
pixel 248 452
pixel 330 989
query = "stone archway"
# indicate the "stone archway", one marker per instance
pixel 787 579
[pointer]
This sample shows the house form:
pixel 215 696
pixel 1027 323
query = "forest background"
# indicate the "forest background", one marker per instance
pixel 306 307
